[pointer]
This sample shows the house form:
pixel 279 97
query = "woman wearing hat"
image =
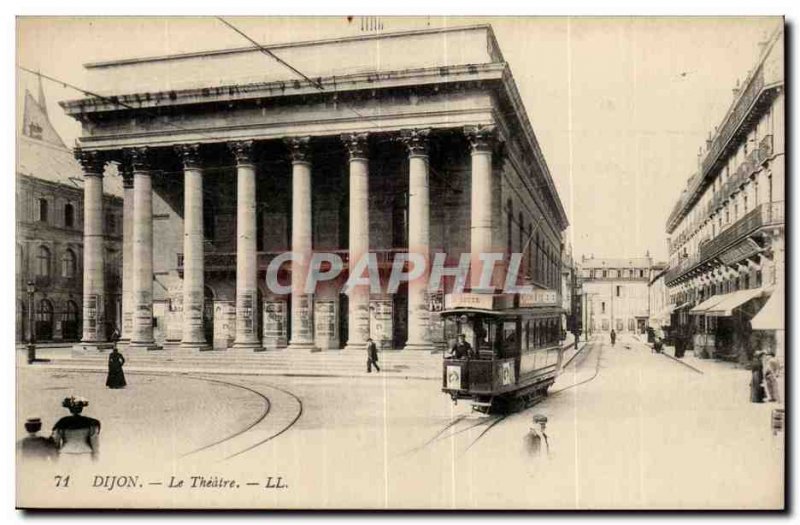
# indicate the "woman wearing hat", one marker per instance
pixel 757 378
pixel 76 435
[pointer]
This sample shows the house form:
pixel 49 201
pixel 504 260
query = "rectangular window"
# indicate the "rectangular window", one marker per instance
pixel 618 290
pixel 69 216
pixel 603 307
pixel 42 210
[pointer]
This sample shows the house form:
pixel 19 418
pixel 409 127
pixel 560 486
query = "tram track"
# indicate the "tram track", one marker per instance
pixel 492 421
pixel 241 441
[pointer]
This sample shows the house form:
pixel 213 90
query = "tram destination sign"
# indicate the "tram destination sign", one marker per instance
pixel 469 300
pixel 538 298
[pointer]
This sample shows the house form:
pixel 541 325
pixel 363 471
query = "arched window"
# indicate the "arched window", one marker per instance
pixel 44 320
pixel 43 262
pixel 68 265
pixel 69 215
pixel 69 321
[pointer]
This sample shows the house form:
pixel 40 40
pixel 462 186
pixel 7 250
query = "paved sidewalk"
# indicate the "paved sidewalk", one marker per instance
pixel 701 365
pixel 334 363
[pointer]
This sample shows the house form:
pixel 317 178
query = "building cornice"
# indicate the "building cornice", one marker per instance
pixel 85 107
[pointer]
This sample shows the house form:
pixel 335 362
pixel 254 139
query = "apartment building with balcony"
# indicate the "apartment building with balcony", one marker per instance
pixel 726 231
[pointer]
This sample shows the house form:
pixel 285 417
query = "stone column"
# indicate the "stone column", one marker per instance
pixel 302 332
pixel 481 141
pixel 358 302
pixel 246 270
pixel 94 334
pixel 419 337
pixel 193 336
pixel 126 171
pixel 142 335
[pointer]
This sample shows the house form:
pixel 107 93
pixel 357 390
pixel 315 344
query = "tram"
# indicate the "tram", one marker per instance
pixel 515 352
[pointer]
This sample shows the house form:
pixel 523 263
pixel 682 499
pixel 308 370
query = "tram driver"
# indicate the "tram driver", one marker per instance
pixel 462 349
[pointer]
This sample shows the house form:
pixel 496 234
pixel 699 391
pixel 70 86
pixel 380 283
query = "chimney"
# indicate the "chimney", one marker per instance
pixel 709 141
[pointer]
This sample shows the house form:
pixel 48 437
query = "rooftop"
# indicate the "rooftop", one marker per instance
pixel 42 155
pixel 633 262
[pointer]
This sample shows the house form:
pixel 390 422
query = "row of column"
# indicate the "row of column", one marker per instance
pixel 137 281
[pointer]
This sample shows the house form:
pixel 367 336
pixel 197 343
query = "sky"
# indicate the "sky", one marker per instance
pixel 620 106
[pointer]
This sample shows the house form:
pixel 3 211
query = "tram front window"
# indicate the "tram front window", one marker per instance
pixel 481 334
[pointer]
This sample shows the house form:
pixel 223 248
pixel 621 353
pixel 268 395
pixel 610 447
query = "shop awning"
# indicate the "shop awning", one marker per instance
pixel 771 316
pixel 732 301
pixel 683 306
pixel 712 301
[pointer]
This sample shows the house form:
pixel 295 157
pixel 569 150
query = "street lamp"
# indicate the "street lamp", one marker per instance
pixel 31 332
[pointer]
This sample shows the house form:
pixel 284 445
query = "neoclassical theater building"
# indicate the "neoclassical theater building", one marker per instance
pixel 413 141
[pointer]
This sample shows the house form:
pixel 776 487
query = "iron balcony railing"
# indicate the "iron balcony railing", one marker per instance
pixel 752 90
pixel 762 215
pixel 767 214
pixel 734 118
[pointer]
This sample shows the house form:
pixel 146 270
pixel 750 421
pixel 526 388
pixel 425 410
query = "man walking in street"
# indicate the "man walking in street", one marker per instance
pixel 536 441
pixel 613 337
pixel 372 356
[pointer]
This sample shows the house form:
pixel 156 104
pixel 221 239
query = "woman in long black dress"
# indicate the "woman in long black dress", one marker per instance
pixel 116 377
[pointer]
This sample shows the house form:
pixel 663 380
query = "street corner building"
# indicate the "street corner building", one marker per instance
pixel 403 142
pixel 726 274
pixel 50 235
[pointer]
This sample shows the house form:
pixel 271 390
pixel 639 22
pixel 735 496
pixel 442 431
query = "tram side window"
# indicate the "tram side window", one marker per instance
pixel 538 334
pixel 527 344
pixel 510 342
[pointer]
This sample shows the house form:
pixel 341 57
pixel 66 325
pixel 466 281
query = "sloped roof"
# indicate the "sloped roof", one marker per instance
pixel 41 154
pixel 36 124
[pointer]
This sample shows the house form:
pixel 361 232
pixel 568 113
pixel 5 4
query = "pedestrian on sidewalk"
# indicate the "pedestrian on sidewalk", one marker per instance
pixel 372 356
pixel 116 377
pixel 757 378
pixel 613 337
pixel 771 368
